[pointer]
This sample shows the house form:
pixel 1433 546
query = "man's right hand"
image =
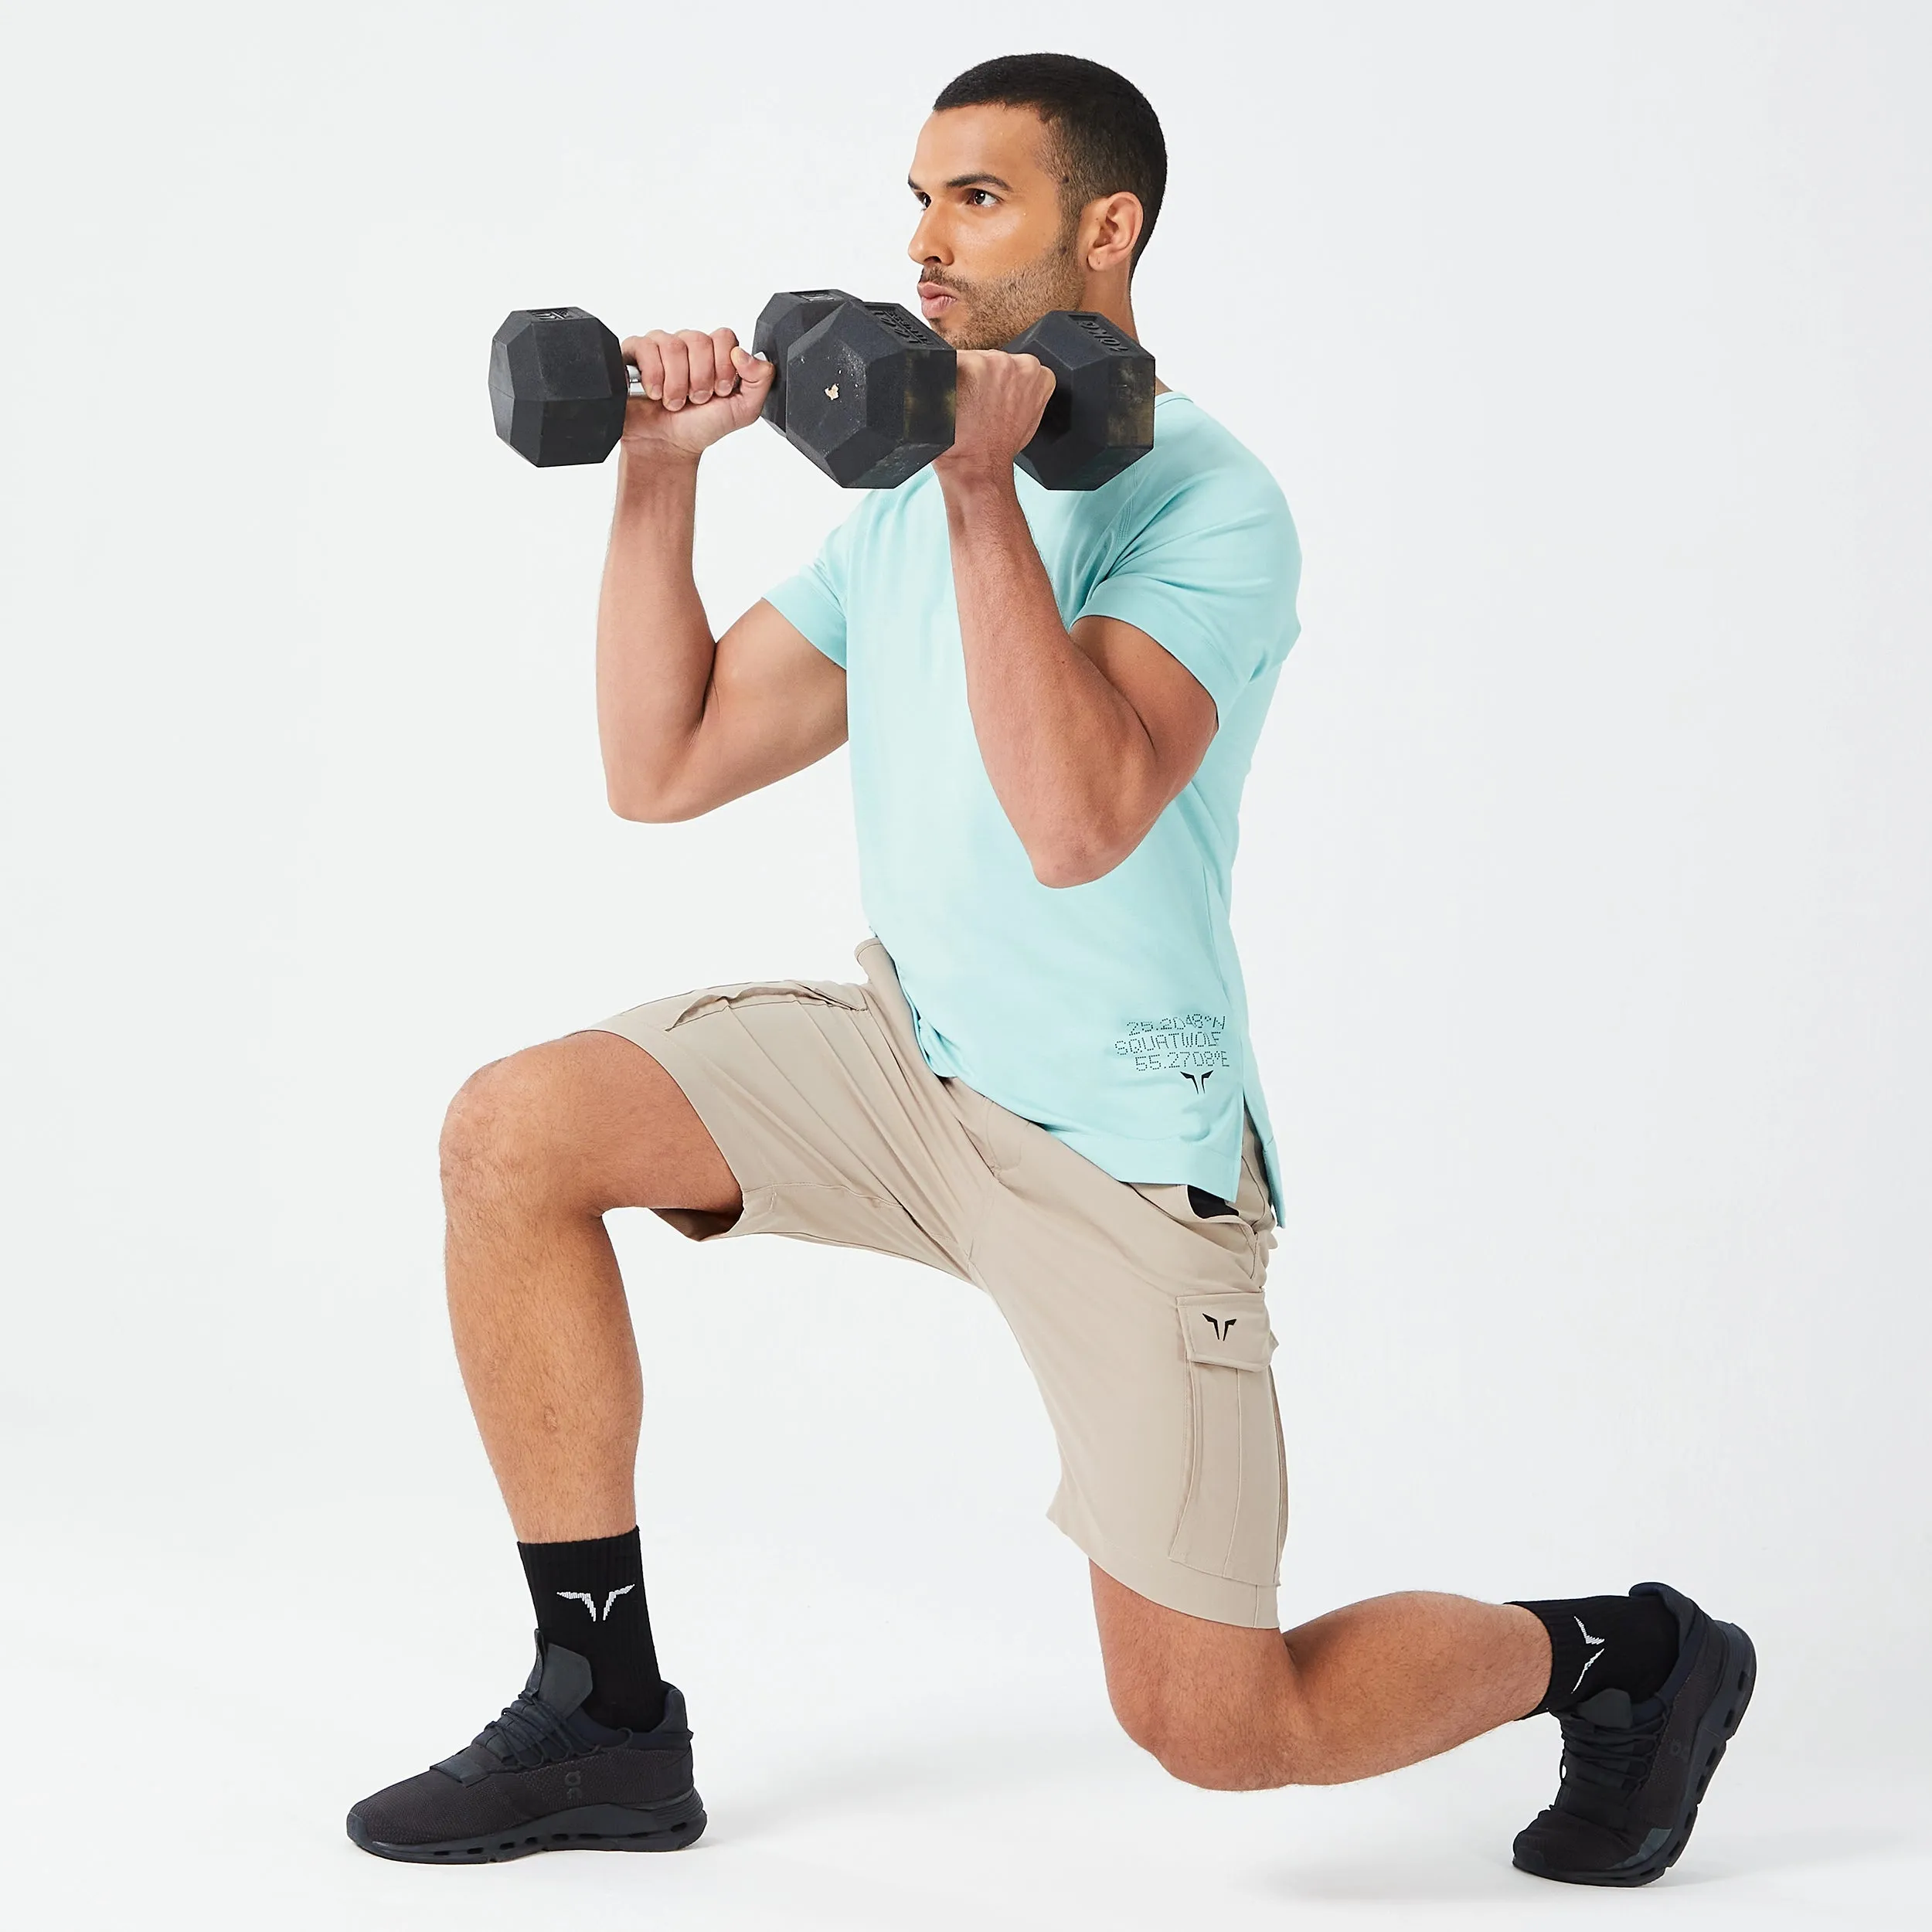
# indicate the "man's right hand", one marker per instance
pixel 697 388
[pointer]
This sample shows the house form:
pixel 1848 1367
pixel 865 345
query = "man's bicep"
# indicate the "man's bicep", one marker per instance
pixel 776 704
pixel 1173 706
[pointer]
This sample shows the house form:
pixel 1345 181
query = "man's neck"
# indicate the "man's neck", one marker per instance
pixel 1112 301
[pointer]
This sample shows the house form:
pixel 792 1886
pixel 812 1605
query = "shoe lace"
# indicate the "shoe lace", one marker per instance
pixel 530 1732
pixel 1614 1757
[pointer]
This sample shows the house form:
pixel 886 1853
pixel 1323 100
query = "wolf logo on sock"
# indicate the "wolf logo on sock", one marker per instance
pixel 1597 1650
pixel 590 1602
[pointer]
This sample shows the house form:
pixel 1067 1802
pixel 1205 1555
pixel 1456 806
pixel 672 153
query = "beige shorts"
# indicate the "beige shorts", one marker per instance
pixel 1143 1322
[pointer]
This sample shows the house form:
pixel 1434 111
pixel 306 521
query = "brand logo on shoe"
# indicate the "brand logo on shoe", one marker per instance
pixel 1220 1324
pixel 590 1602
pixel 1597 1650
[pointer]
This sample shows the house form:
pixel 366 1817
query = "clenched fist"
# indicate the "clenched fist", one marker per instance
pixel 697 389
pixel 1001 399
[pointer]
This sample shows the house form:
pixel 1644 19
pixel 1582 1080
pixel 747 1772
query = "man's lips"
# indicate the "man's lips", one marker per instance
pixel 934 299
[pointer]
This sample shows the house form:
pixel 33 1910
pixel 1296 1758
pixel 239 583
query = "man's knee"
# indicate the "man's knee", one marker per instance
pixel 1218 1750
pixel 1218 1705
pixel 496 1143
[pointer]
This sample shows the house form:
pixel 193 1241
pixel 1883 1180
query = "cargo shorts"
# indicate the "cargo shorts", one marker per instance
pixel 1142 1317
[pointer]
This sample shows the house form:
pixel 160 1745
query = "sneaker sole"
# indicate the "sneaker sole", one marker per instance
pixel 584 1828
pixel 1715 1730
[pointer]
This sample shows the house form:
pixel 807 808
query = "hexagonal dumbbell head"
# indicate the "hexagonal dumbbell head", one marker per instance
pixel 868 395
pixel 558 384
pixel 782 321
pixel 1100 416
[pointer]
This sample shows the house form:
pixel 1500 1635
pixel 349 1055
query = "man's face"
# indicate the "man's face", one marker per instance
pixel 993 252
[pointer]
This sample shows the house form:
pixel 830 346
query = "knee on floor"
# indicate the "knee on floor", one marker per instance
pixel 1218 1750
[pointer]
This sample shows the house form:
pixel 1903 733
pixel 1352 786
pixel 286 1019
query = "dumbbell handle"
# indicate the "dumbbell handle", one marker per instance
pixel 636 381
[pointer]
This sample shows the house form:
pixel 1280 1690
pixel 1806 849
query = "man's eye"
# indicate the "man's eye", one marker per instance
pixel 985 197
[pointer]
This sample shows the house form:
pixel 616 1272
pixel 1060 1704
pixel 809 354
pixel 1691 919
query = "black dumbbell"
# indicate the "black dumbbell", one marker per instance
pixel 559 381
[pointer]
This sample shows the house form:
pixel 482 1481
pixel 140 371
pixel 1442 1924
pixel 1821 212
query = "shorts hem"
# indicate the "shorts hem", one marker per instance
pixel 693 1081
pixel 1215 1600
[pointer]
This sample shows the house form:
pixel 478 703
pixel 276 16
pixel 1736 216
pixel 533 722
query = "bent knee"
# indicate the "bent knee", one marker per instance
pixel 496 1138
pixel 1218 1751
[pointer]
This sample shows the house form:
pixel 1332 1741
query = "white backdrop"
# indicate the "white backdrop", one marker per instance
pixel 1582 900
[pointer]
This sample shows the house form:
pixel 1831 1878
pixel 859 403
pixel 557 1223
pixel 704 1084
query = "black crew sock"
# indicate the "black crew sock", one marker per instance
pixel 1605 1643
pixel 589 1598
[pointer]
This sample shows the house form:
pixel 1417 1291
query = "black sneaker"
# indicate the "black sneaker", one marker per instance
pixel 1632 1775
pixel 543 1778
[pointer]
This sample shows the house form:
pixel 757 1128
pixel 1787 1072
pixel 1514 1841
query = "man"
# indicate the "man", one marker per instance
pixel 1044 1086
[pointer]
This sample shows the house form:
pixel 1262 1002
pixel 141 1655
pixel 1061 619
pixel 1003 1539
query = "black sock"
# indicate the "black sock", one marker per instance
pixel 589 1598
pixel 1605 1643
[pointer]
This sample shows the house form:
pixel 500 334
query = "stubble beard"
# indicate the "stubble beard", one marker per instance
pixel 996 311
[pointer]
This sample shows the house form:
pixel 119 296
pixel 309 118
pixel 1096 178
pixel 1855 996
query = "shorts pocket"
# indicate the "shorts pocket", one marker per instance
pixel 1231 1520
pixel 1232 1232
pixel 988 1125
pixel 767 992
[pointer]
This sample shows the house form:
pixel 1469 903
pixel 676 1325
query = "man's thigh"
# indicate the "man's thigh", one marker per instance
pixel 1145 1323
pixel 822 1106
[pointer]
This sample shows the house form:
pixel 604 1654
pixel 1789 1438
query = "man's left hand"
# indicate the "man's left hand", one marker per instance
pixel 1001 398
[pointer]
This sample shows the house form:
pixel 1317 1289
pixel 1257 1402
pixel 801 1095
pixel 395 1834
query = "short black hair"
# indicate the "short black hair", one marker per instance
pixel 1108 138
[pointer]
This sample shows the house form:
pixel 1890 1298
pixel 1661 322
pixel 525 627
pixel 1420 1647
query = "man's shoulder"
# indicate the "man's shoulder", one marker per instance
pixel 1199 467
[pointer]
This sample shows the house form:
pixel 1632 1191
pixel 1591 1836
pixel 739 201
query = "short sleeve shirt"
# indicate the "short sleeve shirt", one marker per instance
pixel 1113 1013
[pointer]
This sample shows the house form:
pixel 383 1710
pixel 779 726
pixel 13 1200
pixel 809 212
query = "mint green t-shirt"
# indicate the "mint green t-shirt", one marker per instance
pixel 1112 1013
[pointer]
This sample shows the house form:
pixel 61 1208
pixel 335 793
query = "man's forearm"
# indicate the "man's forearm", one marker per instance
pixel 1061 745
pixel 655 649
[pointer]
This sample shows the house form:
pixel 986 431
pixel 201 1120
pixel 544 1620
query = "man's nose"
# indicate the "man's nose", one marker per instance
pixel 926 245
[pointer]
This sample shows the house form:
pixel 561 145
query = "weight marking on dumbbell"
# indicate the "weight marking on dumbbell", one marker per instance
pixel 914 333
pixel 1101 331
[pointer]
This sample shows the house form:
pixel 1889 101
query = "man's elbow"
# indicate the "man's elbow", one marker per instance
pixel 1076 866
pixel 639 807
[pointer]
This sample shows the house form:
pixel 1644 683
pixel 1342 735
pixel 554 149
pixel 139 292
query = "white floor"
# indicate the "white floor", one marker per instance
pixel 887 1763
pixel 954 1819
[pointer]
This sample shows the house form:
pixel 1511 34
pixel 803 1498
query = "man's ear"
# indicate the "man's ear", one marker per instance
pixel 1113 225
